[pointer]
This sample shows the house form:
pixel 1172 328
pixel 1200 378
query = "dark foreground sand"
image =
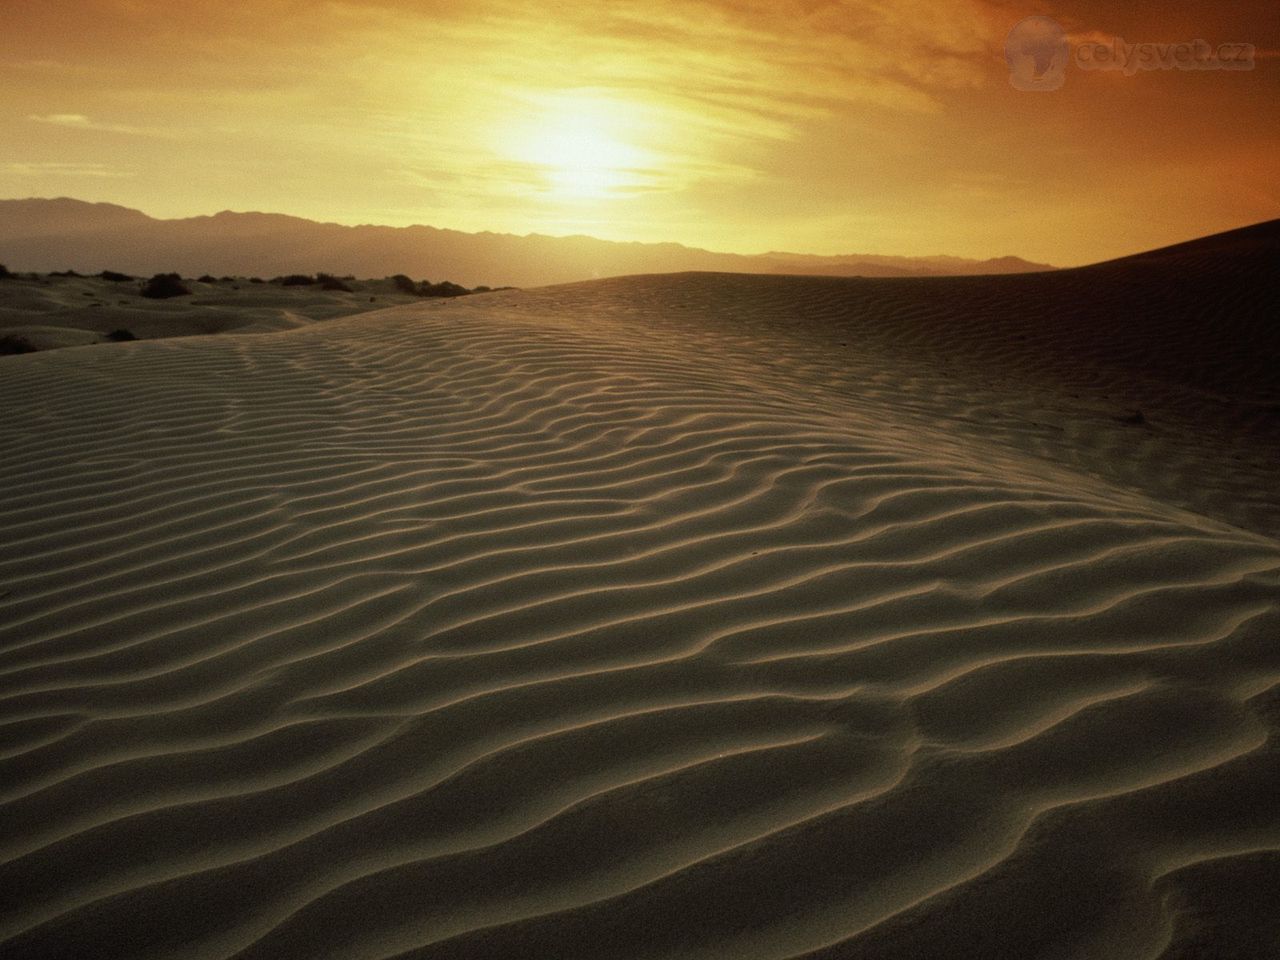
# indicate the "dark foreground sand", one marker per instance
pixel 694 616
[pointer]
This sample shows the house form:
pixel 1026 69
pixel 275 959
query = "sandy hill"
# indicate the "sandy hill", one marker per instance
pixel 46 235
pixel 680 617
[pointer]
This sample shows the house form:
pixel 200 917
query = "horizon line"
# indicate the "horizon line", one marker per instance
pixel 775 252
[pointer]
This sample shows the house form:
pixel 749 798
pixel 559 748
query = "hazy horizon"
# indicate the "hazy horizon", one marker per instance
pixel 66 233
pixel 938 254
pixel 199 214
pixel 729 126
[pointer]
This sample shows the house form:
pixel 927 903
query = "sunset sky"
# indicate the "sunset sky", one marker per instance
pixel 742 125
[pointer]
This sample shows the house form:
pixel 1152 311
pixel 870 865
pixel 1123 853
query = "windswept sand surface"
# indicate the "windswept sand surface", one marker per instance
pixel 700 616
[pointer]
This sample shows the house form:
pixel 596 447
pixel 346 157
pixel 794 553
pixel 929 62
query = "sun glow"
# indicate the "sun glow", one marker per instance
pixel 583 148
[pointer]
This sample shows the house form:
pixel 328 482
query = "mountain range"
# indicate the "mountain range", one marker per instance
pixel 66 234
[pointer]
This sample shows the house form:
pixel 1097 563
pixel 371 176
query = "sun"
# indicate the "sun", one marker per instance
pixel 581 160
pixel 585 148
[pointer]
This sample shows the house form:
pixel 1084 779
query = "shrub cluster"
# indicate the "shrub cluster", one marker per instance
pixel 442 289
pixel 404 284
pixel 165 285
pixel 428 289
pixel 325 281
pixel 329 282
pixel 4 272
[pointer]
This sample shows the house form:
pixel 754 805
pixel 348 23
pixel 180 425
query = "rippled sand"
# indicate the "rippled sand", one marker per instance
pixel 691 616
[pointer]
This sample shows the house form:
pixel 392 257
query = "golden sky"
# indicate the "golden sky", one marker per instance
pixel 848 126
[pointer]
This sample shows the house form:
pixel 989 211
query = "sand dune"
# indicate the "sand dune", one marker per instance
pixel 687 616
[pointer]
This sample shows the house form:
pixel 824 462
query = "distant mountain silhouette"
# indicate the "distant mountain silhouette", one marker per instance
pixel 44 235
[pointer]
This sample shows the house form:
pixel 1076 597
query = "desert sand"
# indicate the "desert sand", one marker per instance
pixel 690 616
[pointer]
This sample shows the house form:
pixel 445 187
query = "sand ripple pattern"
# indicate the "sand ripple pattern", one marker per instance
pixel 563 625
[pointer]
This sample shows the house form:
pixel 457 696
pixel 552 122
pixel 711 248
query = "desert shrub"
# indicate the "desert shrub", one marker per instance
pixel 4 272
pixel 64 273
pixel 481 289
pixel 114 277
pixel 295 280
pixel 121 335
pixel 165 285
pixel 256 280
pixel 225 279
pixel 332 283
pixel 10 345
pixel 426 288
pixel 442 289
pixel 207 278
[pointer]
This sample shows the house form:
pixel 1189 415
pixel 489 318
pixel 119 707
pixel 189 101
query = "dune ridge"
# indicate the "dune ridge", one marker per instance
pixel 685 616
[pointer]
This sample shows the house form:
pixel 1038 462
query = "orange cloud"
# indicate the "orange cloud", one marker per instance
pixel 823 125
